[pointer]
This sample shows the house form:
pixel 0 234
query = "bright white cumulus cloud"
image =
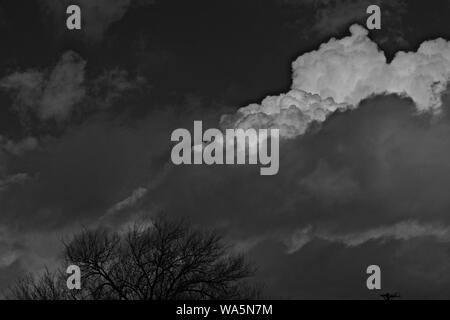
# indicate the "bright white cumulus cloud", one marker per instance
pixel 343 72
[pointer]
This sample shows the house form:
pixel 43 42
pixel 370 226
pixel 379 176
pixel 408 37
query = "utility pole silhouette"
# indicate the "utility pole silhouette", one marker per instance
pixel 388 296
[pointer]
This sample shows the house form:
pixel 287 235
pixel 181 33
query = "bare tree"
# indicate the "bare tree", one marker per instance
pixel 388 296
pixel 165 261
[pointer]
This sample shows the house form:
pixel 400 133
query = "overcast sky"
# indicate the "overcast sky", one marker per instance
pixel 86 118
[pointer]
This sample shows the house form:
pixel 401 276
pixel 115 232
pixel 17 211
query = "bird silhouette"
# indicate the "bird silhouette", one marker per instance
pixel 388 296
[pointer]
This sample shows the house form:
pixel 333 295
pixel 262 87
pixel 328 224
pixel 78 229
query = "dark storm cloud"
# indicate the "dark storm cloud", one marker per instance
pixel 57 93
pixel 363 170
pixel 417 269
pixel 373 166
pixel 93 167
pixel 373 175
pixel 95 173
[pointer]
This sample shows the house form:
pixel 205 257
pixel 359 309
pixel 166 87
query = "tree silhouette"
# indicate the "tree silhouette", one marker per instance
pixel 165 261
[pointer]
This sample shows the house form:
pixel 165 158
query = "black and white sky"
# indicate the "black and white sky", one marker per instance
pixel 86 118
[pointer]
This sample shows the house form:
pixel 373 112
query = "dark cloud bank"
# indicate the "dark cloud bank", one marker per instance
pixel 370 186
